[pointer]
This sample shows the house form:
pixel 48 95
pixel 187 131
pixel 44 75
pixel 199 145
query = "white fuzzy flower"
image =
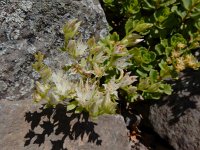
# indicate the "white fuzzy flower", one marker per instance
pixel 111 87
pixel 85 92
pixel 62 84
pixel 80 48
pixel 127 80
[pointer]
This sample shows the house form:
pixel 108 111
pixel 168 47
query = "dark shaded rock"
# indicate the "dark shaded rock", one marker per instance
pixel 139 146
pixel 176 118
pixel 26 126
pixel 30 26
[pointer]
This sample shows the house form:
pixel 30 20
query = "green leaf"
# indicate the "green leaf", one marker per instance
pixel 168 51
pixel 195 12
pixel 146 5
pixel 197 25
pixel 137 25
pixel 78 110
pixel 180 13
pixel 153 88
pixel 144 84
pixel 131 7
pixel 141 73
pixel 146 67
pixel 160 49
pixel 131 40
pixel 143 27
pixel 195 15
pixel 167 89
pixel 108 1
pixel 187 4
pixel 162 14
pixel 72 105
pixel 164 42
pixel 129 25
pixel 114 37
pixel 153 75
pixel 167 3
pixel 165 71
pixel 147 95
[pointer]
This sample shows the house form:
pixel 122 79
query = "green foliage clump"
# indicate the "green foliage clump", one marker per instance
pixel 91 83
pixel 157 19
pixel 103 72
pixel 171 32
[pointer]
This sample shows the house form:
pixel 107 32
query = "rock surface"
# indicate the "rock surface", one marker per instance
pixel 25 28
pixel 176 118
pixel 24 126
pixel 30 26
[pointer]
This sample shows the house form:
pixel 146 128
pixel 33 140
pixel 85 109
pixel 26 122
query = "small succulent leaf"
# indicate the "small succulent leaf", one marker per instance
pixel 160 49
pixel 132 7
pixel 187 4
pixel 142 27
pixel 153 88
pixel 164 42
pixel 167 89
pixel 114 37
pixel 147 67
pixel 141 73
pixel 131 40
pixel 78 110
pixel 143 84
pixel 168 51
pixel 165 71
pixel 146 5
pixel 129 26
pixel 72 105
pixel 162 14
pixel 154 75
pixel 136 25
pixel 148 95
pixel 167 3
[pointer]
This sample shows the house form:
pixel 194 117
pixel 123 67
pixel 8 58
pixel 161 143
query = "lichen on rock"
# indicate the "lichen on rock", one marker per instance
pixel 30 26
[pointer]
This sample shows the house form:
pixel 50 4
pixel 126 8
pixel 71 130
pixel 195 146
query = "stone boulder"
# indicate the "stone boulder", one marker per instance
pixel 24 126
pixel 30 26
pixel 176 118
pixel 25 28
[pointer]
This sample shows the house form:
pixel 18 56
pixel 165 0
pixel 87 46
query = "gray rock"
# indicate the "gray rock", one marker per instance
pixel 139 146
pixel 25 28
pixel 30 26
pixel 176 118
pixel 24 126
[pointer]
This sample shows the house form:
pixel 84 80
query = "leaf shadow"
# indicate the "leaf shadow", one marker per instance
pixel 58 122
pixel 182 98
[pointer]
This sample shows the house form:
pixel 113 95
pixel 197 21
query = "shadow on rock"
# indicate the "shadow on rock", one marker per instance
pixel 173 118
pixel 58 123
pixel 183 97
